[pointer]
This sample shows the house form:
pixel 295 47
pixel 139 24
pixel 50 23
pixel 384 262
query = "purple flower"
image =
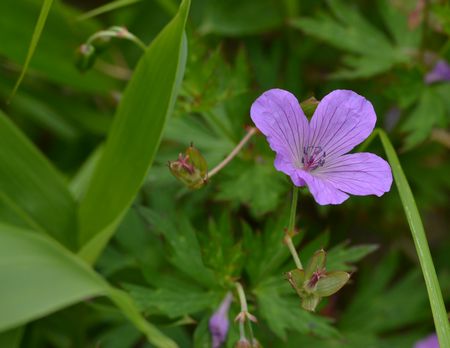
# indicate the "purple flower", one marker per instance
pixel 315 153
pixel 218 323
pixel 428 342
pixel 440 72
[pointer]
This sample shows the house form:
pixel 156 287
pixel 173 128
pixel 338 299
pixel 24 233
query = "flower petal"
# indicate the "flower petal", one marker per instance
pixel 358 174
pixel 323 191
pixel 342 120
pixel 278 115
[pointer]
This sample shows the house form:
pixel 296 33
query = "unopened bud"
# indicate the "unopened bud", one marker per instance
pixel 309 106
pixel 243 343
pixel 190 168
pixel 86 55
pixel 218 323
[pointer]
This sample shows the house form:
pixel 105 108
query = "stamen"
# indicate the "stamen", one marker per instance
pixel 313 157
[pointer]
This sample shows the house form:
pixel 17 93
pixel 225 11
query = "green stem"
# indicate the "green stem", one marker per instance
pixel 244 309
pixel 290 231
pixel 420 241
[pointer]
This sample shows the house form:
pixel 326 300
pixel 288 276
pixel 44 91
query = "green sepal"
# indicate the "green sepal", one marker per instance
pixel 316 263
pixel 197 160
pixel 296 278
pixel 331 283
pixel 310 302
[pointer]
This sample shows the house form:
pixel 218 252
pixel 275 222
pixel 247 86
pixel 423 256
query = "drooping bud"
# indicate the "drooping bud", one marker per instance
pixel 86 55
pixel 219 323
pixel 243 343
pixel 430 341
pixel 315 282
pixel 190 168
pixel 309 106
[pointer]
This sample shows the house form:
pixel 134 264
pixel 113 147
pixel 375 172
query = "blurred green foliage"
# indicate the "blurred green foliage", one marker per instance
pixel 177 252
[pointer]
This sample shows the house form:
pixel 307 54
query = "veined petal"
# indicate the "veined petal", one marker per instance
pixel 323 191
pixel 278 115
pixel 342 120
pixel 358 174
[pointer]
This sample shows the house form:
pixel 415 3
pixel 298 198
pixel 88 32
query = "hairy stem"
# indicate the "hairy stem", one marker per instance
pixel 233 153
pixel 244 311
pixel 290 231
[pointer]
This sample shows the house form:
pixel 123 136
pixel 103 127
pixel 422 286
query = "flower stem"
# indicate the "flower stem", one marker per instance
pixel 233 153
pixel 244 311
pixel 290 231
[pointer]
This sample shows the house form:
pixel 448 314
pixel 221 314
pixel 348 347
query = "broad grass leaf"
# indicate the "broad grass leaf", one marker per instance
pixel 134 136
pixel 38 276
pixel 32 188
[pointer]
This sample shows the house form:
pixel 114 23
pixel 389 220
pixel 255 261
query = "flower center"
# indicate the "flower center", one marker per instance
pixel 313 157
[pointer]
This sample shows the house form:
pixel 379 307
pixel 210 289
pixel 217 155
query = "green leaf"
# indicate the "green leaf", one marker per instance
pixel 184 252
pixel 370 51
pixel 235 18
pixel 46 5
pixel 173 302
pixel 29 289
pixel 125 303
pixel 134 136
pixel 53 56
pixel 110 6
pixel 341 257
pixel 258 186
pixel 420 241
pixel 32 188
pixel 282 312
pixel 38 277
pixel 428 113
pixel 331 283
pixel 12 338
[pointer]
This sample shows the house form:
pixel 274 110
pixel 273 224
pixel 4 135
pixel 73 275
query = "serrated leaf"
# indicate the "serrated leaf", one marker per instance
pixel 283 312
pixel 341 257
pixel 173 302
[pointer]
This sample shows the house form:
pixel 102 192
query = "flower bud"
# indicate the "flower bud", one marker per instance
pixel 219 323
pixel 428 342
pixel 243 343
pixel 309 106
pixel 191 168
pixel 86 55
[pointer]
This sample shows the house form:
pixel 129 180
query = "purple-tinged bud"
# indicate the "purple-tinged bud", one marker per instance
pixel 309 106
pixel 243 343
pixel 219 323
pixel 430 341
pixel 440 72
pixel 86 55
pixel 190 168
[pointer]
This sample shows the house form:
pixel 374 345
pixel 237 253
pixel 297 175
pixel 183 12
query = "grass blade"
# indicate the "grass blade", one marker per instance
pixel 29 291
pixel 45 9
pixel 420 241
pixel 111 6
pixel 32 188
pixel 134 136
